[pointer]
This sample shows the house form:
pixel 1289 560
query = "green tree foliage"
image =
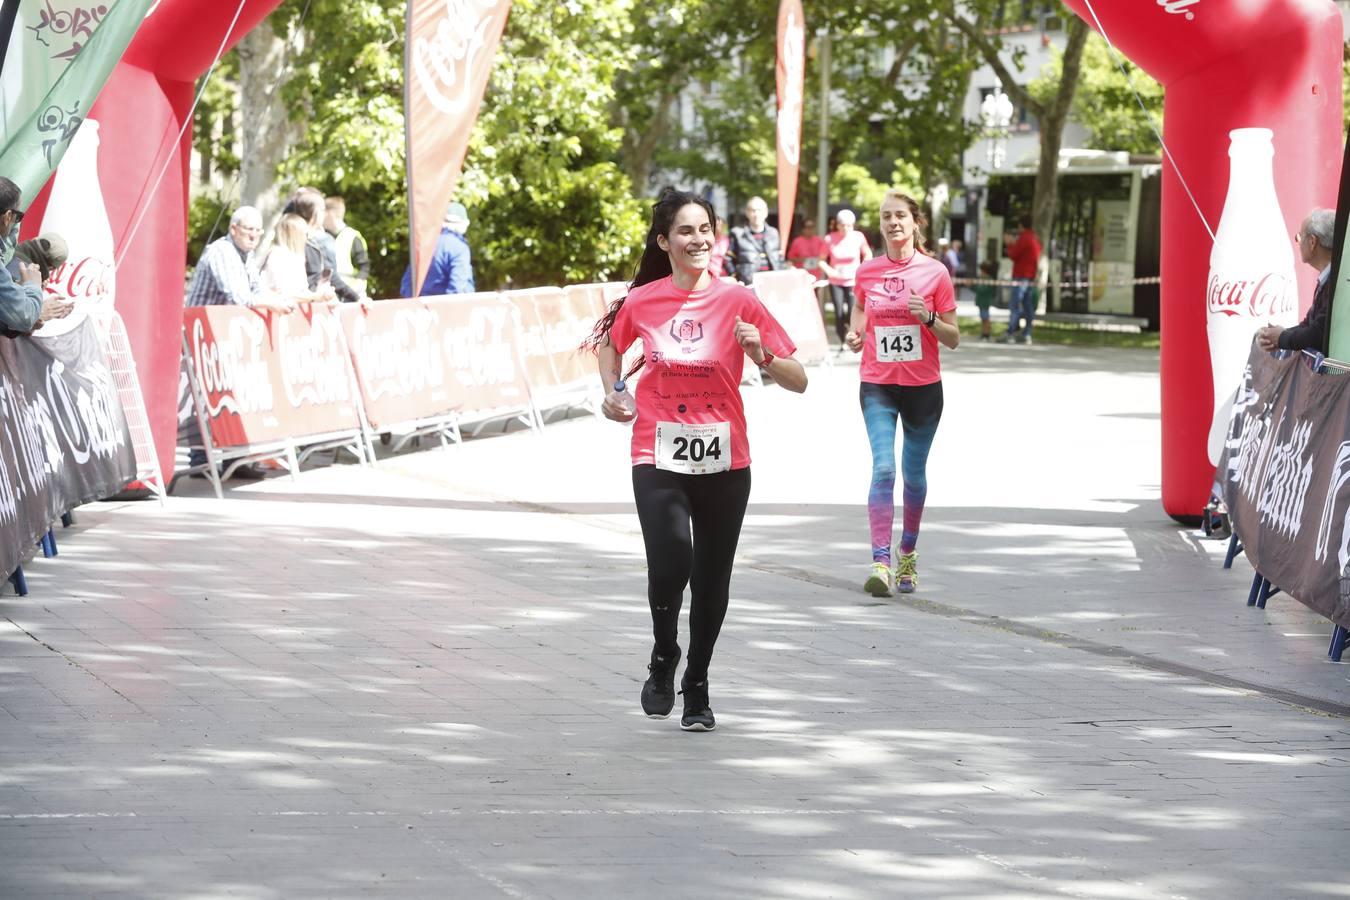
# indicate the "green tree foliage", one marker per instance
pixel 550 203
pixel 1105 102
pixel 899 76
pixel 1345 81
pixel 347 87
pixel 853 186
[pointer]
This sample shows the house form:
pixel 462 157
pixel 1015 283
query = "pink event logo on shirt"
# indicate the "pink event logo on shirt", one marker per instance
pixel 683 331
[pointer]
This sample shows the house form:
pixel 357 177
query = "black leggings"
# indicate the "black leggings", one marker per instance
pixel 667 502
pixel 842 296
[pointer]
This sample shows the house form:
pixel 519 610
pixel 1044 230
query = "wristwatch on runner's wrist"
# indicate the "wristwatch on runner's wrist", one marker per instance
pixel 768 358
pixel 932 318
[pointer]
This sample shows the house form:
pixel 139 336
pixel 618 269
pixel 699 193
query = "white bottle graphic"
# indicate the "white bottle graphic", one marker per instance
pixel 77 213
pixel 1251 270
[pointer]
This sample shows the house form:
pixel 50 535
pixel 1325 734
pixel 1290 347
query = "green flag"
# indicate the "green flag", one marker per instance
pixel 58 57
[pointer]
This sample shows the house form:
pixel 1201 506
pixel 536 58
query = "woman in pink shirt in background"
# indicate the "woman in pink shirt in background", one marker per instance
pixel 691 459
pixel 906 309
pixel 805 252
pixel 848 249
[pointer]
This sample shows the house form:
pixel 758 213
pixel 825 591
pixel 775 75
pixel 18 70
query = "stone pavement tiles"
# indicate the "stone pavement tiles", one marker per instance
pixel 408 682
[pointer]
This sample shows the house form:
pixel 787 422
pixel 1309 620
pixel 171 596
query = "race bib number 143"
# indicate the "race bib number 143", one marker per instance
pixel 693 449
pixel 899 343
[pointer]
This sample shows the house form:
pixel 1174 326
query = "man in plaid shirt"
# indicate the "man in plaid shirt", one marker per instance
pixel 226 273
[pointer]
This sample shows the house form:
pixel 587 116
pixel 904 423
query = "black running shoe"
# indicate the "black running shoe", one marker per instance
pixel 658 694
pixel 698 715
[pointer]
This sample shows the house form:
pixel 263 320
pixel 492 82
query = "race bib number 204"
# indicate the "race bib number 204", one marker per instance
pixel 693 449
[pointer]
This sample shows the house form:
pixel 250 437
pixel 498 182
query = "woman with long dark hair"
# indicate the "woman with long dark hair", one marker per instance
pixel 906 308
pixel 691 459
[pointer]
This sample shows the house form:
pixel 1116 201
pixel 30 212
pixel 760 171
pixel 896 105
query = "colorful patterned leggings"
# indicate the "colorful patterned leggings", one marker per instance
pixel 918 409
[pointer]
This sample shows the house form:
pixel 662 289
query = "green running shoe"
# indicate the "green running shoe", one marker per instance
pixel 907 573
pixel 878 584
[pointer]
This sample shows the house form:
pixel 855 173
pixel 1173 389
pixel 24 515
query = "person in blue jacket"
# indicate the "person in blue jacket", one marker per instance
pixel 451 269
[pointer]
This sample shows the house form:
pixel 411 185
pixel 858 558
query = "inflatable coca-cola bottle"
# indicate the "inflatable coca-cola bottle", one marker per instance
pixel 1251 270
pixel 76 212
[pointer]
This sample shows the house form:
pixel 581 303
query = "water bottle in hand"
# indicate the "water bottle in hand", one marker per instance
pixel 623 398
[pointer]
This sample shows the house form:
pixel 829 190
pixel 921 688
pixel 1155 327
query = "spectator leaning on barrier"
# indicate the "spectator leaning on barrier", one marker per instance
pixel 226 274
pixel 321 263
pixel 451 268
pixel 46 251
pixel 1315 240
pixel 283 270
pixel 21 301
pixel 353 259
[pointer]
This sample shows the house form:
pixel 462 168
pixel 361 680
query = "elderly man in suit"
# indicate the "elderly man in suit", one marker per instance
pixel 1315 240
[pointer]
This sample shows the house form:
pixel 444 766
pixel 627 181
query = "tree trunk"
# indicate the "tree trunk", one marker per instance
pixel 639 150
pixel 1045 197
pixel 265 131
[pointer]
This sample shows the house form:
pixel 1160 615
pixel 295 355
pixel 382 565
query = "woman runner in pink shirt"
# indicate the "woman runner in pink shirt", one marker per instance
pixel 691 460
pixel 906 307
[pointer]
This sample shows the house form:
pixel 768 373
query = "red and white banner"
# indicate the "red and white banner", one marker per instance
pixel 447 63
pixel 788 294
pixel 553 323
pixel 271 377
pixel 426 358
pixel 791 73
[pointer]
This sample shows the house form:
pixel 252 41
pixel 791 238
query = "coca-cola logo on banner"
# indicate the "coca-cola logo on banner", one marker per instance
pixel 790 113
pixel 401 360
pixel 89 420
pixel 480 352
pixel 313 365
pixel 233 371
pixel 87 278
pixel 32 426
pixel 1179 8
pixel 444 64
pixel 1269 296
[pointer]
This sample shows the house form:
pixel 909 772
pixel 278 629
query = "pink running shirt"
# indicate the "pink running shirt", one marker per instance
pixel 846 253
pixel 692 376
pixel 898 348
pixel 809 250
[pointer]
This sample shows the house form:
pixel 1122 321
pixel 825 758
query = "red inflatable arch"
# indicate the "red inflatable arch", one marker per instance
pixel 1225 64
pixel 140 112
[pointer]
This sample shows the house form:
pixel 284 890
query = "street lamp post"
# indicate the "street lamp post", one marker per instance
pixel 996 114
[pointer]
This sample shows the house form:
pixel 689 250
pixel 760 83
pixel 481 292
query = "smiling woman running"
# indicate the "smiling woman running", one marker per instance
pixel 906 306
pixel 691 459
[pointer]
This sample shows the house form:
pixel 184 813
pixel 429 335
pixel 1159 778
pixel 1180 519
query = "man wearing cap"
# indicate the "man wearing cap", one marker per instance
pixel 451 268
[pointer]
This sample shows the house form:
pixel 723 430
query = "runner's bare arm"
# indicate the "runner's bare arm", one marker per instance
pixel 857 324
pixel 943 326
pixel 611 370
pixel 786 371
pixel 946 330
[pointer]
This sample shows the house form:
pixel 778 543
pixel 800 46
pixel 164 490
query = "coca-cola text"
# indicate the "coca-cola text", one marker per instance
pixel 1258 298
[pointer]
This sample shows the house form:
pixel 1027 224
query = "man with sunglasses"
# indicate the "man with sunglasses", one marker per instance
pixel 20 302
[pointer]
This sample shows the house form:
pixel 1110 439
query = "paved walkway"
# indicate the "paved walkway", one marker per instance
pixel 421 680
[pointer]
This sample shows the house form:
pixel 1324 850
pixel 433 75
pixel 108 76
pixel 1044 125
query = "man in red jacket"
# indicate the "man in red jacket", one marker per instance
pixel 1025 253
